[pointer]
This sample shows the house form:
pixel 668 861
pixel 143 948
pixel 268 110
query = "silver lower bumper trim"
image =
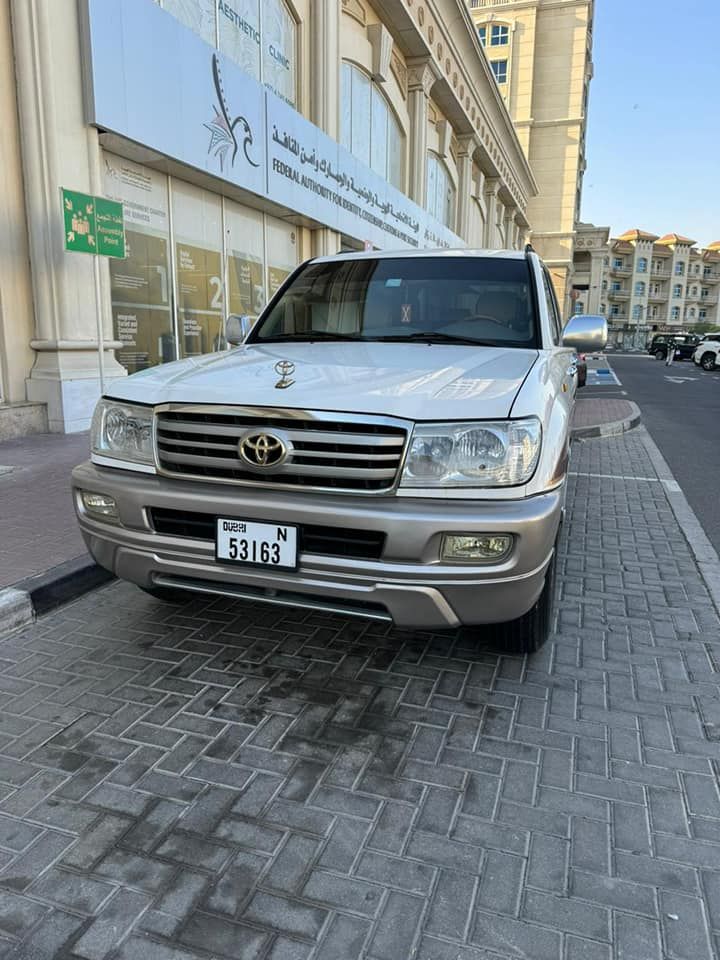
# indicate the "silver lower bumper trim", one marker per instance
pixel 280 598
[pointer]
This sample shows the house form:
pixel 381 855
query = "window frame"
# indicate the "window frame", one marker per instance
pixel 499 39
pixel 496 63
pixel 394 131
pixel 433 156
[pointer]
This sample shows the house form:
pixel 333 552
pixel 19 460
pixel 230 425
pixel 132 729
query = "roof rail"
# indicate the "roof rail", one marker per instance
pixel 529 248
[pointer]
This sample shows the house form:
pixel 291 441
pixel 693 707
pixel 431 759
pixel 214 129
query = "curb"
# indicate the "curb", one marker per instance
pixel 28 599
pixel 614 428
pixel 701 548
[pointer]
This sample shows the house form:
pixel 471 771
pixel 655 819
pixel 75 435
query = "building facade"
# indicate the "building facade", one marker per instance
pixel 241 137
pixel 589 269
pixel 645 283
pixel 540 52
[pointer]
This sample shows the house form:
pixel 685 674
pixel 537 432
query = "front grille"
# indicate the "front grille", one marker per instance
pixel 347 452
pixel 325 541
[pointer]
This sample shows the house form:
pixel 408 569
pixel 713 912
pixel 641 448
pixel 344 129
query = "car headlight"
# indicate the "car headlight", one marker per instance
pixel 500 453
pixel 122 431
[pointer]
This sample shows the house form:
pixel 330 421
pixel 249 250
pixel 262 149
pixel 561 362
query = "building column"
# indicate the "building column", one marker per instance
pixel 324 24
pixel 422 74
pixel 325 242
pixel 467 145
pixel 60 150
pixel 492 186
pixel 509 226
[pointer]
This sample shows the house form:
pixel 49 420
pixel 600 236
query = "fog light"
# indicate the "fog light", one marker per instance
pixel 483 547
pixel 100 505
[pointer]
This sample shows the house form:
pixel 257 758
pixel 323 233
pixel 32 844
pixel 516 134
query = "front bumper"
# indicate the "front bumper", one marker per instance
pixel 408 584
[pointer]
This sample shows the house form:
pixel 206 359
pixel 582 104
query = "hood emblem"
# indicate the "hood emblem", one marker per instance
pixel 285 368
pixel 262 450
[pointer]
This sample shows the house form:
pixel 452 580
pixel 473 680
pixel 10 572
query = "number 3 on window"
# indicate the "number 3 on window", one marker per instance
pixel 216 301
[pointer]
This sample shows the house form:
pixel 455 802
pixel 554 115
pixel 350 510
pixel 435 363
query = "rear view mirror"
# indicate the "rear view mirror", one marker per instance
pixel 237 328
pixel 585 334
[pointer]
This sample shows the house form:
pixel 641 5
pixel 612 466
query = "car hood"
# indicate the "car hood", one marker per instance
pixel 418 381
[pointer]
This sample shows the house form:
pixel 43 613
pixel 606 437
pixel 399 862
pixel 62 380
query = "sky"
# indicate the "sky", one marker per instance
pixel 653 137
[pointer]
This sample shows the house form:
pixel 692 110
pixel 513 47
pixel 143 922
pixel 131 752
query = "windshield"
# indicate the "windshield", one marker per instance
pixel 480 300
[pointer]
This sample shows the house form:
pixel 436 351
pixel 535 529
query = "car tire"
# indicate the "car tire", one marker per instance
pixel 707 361
pixel 528 633
pixel 659 354
pixel 167 594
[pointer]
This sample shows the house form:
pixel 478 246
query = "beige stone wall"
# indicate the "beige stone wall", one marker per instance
pixel 546 99
pixel 16 308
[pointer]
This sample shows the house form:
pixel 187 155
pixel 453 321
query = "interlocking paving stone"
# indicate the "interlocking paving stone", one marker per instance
pixel 223 780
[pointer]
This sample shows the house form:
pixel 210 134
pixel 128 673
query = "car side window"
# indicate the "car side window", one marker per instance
pixel 552 308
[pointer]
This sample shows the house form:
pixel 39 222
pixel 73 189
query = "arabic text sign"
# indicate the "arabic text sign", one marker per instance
pixel 157 83
pixel 92 224
pixel 109 228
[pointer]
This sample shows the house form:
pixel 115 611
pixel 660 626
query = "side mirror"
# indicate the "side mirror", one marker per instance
pixel 585 334
pixel 237 328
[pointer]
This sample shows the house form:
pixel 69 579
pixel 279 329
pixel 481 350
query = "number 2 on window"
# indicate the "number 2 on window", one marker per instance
pixel 216 301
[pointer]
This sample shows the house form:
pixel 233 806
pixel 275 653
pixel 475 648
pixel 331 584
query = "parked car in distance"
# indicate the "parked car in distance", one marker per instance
pixel 707 352
pixel 390 439
pixel 685 344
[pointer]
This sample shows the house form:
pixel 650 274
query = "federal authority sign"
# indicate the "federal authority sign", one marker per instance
pixel 155 82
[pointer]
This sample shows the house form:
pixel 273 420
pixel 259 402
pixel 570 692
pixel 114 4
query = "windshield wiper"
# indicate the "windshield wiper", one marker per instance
pixel 430 336
pixel 306 337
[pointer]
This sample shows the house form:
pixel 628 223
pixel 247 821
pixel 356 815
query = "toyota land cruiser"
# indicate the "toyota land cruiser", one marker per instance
pixel 390 439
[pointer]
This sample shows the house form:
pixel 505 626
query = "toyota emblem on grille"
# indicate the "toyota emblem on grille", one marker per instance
pixel 262 450
pixel 285 368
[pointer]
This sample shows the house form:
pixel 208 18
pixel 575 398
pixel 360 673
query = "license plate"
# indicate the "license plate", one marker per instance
pixel 256 544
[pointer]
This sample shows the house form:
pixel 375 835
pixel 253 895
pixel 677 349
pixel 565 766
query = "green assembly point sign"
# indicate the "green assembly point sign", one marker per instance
pixel 93 224
pixel 109 228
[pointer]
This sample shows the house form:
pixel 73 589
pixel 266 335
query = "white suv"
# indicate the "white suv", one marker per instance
pixel 707 352
pixel 389 439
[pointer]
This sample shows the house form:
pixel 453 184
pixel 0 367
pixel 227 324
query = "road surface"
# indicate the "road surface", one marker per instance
pixel 680 407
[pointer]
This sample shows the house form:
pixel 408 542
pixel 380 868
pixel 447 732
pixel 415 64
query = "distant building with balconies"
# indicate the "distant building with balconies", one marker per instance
pixel 644 283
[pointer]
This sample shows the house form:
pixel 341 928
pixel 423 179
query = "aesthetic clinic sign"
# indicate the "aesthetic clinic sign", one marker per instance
pixel 152 80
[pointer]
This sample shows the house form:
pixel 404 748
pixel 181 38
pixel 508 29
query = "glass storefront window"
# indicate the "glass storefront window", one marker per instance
pixel 140 284
pixel 198 15
pixel 258 35
pixel 278 65
pixel 171 294
pixel 244 246
pixel 440 201
pixel 240 34
pixel 282 255
pixel 368 128
pixel 199 287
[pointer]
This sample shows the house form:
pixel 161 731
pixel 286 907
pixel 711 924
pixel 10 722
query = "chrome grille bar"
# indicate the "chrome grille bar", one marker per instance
pixel 327 451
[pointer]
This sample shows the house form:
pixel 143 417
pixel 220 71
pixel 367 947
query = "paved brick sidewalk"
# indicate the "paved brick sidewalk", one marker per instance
pixel 222 780
pixel 37 523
